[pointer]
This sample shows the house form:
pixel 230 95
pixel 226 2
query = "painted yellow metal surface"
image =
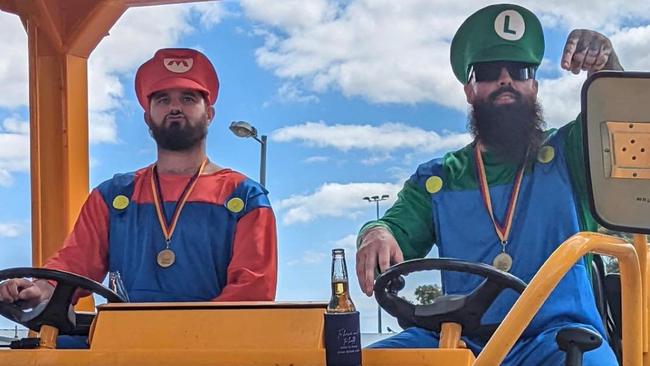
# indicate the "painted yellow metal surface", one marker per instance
pixel 641 246
pixel 450 335
pixel 371 357
pixel 550 274
pixel 203 326
pixel 218 334
pixel 48 336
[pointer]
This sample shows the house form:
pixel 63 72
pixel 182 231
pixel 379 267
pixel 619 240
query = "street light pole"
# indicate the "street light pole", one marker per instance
pixel 263 161
pixel 245 129
pixel 376 200
pixel 377 209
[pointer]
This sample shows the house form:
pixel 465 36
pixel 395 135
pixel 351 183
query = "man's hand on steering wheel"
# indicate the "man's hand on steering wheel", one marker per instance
pixel 57 311
pixel 29 293
pixel 378 250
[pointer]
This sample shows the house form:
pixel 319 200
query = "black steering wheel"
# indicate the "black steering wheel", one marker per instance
pixel 57 311
pixel 466 310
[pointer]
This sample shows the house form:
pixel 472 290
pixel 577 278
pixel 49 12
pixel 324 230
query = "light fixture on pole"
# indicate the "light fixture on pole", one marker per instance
pixel 376 200
pixel 245 129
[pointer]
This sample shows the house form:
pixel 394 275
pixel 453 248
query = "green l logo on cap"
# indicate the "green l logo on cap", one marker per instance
pixel 506 26
pixel 509 25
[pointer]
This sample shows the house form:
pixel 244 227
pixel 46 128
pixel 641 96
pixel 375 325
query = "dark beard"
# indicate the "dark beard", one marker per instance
pixel 510 130
pixel 175 136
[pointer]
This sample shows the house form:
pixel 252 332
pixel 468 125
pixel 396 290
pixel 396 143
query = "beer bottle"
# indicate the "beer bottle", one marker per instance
pixel 341 302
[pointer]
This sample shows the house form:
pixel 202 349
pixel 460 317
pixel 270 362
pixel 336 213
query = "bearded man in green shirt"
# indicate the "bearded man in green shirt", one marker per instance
pixel 510 197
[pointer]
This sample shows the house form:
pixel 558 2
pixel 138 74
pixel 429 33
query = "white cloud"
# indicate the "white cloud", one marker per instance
pixel 314 257
pixel 291 14
pixel 347 242
pixel 333 200
pixel 560 98
pixel 6 179
pixel 104 127
pixel 549 66
pixel 14 148
pixel 384 138
pixel 373 49
pixel 13 65
pixel 309 257
pixel 633 47
pixel 317 159
pixel 398 51
pixel 606 15
pixel 14 124
pixel 135 37
pixel 210 13
pixel 376 159
pixel 10 230
pixel 402 173
pixel 289 92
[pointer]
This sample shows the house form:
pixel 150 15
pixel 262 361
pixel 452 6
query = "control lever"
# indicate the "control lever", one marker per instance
pixel 575 341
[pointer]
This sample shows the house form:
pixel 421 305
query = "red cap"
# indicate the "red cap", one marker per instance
pixel 176 68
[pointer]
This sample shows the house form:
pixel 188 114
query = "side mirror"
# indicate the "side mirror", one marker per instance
pixel 616 132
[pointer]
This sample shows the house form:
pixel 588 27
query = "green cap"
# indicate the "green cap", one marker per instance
pixel 502 32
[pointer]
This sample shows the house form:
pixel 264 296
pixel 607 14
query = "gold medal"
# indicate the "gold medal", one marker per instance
pixel 502 262
pixel 166 258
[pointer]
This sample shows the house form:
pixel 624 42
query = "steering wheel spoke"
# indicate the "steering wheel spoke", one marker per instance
pixel 58 311
pixel 484 295
pixel 12 312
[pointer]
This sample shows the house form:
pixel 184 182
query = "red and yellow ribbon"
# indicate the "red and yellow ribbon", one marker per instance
pixel 503 231
pixel 168 230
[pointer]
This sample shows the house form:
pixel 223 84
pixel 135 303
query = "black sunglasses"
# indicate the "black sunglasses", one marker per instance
pixel 490 71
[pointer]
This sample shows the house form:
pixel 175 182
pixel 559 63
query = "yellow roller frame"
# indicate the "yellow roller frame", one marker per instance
pixel 634 304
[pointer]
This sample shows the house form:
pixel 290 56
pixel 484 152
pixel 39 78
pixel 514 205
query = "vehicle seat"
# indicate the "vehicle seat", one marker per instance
pixel 607 293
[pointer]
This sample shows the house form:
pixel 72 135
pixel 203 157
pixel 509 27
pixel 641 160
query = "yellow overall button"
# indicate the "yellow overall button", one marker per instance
pixel 120 202
pixel 235 204
pixel 546 154
pixel 433 184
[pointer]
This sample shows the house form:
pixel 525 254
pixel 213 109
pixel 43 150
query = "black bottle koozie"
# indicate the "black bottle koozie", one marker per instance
pixel 342 339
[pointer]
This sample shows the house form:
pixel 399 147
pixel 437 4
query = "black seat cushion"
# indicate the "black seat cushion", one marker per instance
pixel 607 293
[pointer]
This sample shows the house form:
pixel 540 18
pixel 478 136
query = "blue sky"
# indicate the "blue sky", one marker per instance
pixel 353 95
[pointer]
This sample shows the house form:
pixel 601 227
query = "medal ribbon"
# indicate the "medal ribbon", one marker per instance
pixel 503 231
pixel 168 230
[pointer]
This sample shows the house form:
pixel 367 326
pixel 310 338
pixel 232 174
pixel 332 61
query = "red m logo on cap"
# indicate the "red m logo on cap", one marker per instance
pixel 178 62
pixel 178 65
